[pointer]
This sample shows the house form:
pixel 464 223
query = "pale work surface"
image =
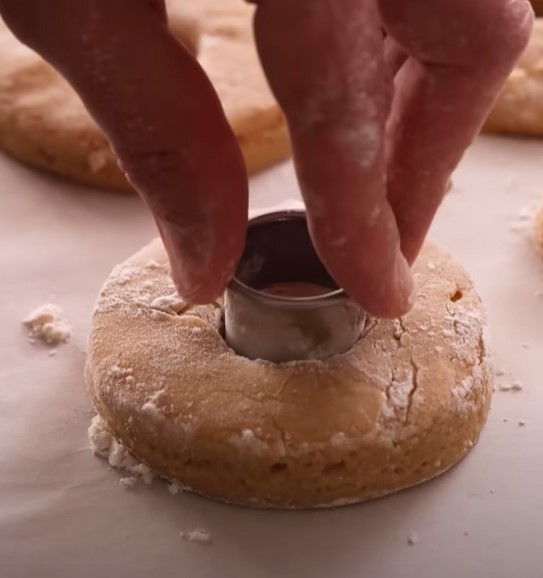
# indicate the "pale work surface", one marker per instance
pixel 62 511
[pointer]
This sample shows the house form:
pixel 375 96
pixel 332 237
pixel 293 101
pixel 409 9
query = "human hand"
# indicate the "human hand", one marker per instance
pixel 373 161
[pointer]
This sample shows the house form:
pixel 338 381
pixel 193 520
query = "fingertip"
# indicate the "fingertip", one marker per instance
pixel 196 285
pixel 390 295
pixel 200 273
pixel 195 290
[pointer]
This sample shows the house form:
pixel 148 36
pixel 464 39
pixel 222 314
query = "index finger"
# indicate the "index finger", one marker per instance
pixel 164 121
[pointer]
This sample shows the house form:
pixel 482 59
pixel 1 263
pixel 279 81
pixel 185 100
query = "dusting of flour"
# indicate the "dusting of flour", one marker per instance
pixel 197 535
pixel 104 444
pixel 47 323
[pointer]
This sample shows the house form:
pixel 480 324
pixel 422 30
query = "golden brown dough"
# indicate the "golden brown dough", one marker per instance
pixel 404 405
pixel 519 108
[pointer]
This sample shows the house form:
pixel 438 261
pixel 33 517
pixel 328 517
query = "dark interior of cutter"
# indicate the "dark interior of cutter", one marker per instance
pixel 279 252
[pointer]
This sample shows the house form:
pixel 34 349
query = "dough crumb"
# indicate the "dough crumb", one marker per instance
pixel 499 372
pixel 413 539
pixel 521 423
pixel 198 535
pixel 128 482
pixel 103 444
pixel 48 324
pixel 52 353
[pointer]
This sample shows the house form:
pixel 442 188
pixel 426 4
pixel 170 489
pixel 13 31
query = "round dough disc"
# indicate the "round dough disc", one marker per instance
pixel 519 108
pixel 43 122
pixel 404 405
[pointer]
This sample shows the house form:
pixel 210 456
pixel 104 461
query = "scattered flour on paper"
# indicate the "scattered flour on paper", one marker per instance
pixel 512 386
pixel 198 535
pixel 174 489
pixel 104 444
pixel 47 323
pixel 128 482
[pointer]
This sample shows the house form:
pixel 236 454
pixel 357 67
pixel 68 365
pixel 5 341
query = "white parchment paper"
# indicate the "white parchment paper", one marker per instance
pixel 62 511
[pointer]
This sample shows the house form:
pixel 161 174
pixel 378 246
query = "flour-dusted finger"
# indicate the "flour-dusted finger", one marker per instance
pixel 461 52
pixel 327 70
pixel 163 119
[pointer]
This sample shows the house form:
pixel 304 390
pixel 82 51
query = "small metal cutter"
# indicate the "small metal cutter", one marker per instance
pixel 282 304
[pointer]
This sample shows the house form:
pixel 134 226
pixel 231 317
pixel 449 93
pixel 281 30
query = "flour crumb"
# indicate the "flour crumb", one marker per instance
pixel 413 539
pixel 151 408
pixel 198 535
pixel 174 489
pixel 513 386
pixel 48 324
pixel 105 445
pixel 128 482
pixel 499 372
pixel 52 353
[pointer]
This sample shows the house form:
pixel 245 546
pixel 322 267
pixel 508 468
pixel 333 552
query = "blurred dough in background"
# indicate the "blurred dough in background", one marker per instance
pixel 44 124
pixel 519 108
pixel 537 6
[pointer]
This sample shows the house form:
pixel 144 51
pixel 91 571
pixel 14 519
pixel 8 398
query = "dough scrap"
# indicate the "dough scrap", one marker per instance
pixel 403 406
pixel 44 124
pixel 519 107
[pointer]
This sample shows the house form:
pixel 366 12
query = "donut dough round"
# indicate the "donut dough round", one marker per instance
pixel 403 406
pixel 44 124
pixel 519 107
